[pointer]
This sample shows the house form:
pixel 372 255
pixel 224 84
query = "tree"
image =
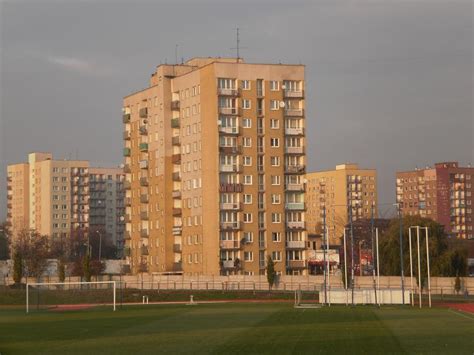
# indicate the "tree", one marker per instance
pixel 4 241
pixel 86 268
pixel 271 274
pixel 61 271
pixel 457 284
pixel 17 267
pixel 34 250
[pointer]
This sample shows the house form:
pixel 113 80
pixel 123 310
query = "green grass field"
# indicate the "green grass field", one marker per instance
pixel 275 328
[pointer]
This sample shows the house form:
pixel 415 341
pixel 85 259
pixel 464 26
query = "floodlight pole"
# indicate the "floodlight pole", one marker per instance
pixel 428 265
pixel 402 274
pixel 328 265
pixel 378 264
pixel 373 256
pixel 411 267
pixel 345 259
pixel 419 264
pixel 352 254
pixel 324 255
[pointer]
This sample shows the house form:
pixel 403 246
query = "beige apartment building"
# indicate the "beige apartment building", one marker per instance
pixel 444 193
pixel 214 161
pixel 338 194
pixel 53 197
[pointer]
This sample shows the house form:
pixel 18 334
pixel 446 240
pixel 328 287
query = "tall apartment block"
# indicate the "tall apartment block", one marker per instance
pixel 56 197
pixel 444 193
pixel 334 196
pixel 214 161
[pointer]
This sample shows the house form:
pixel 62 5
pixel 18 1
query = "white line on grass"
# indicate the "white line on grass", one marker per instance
pixel 461 314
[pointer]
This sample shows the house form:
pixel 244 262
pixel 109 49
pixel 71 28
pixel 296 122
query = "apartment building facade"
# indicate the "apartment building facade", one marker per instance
pixel 334 196
pixel 444 193
pixel 52 197
pixel 214 161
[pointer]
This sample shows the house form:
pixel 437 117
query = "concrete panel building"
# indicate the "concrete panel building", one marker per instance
pixel 53 197
pixel 444 193
pixel 338 194
pixel 215 158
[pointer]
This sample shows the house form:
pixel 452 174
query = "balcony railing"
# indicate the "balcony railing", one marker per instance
pixel 144 250
pixel 177 176
pixel 295 169
pixel 294 150
pixel 295 112
pixel 126 135
pixel 235 206
pixel 177 267
pixel 177 211
pixel 296 264
pixel 231 188
pixel 176 194
pixel 144 198
pixel 294 131
pixel 175 105
pixel 295 224
pixel 127 185
pixel 143 112
pixel 228 264
pixel 229 130
pixel 229 111
pixel 228 92
pixel 143 181
pixel 175 123
pixel 144 215
pixel 143 147
pixel 126 169
pixel 237 149
pixel 176 158
pixel 295 206
pixel 127 235
pixel 230 244
pixel 143 130
pixel 126 118
pixel 231 225
pixel 128 201
pixel 175 140
pixel 294 94
pixel 295 244
pixel 177 248
pixel 230 168
pixel 143 164
pixel 177 230
pixel 126 152
pixel 144 233
pixel 295 187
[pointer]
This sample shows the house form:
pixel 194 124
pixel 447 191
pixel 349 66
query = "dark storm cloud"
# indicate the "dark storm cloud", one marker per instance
pixel 389 83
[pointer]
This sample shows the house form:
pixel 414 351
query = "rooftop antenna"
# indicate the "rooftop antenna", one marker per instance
pixel 176 54
pixel 237 47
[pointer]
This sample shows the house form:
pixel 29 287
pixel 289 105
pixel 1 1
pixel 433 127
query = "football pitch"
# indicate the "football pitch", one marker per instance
pixel 236 328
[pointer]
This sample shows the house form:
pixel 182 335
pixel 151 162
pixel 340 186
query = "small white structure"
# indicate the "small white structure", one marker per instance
pixel 365 296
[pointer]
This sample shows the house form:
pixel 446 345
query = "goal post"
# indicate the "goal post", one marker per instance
pixel 70 287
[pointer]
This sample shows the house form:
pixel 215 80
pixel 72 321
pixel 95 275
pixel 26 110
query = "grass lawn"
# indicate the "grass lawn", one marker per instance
pixel 237 328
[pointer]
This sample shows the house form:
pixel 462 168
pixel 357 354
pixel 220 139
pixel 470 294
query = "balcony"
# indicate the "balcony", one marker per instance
pixel 230 168
pixel 143 181
pixel 294 150
pixel 295 224
pixel 177 212
pixel 176 158
pixel 177 230
pixel 229 130
pixel 144 215
pixel 293 94
pixel 143 131
pixel 176 194
pixel 175 105
pixel 228 92
pixel 295 244
pixel 294 131
pixel 176 141
pixel 126 169
pixel 127 235
pixel 126 152
pixel 296 264
pixel 126 118
pixel 296 112
pixel 175 123
pixel 231 188
pixel 127 185
pixel 128 219
pixel 294 187
pixel 231 225
pixel 237 149
pixel 233 111
pixel 144 198
pixel 228 264
pixel 295 206
pixel 230 244
pixel 233 206
pixel 143 147
pixel 128 201
pixel 177 248
pixel 126 251
pixel 143 112
pixel 177 176
pixel 143 164
pixel 177 266
pixel 144 250
pixel 295 169
pixel 127 135
pixel 260 112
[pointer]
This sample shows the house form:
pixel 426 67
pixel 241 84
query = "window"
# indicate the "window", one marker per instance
pixel 247 179
pixel 274 105
pixel 247 218
pixel 274 85
pixel 246 104
pixel 274 142
pixel 274 124
pixel 246 123
pixel 248 236
pixel 247 199
pixel 275 179
pixel 276 237
pixel 247 142
pixel 276 255
pixel 247 161
pixel 248 256
pixel 275 161
pixel 245 84
pixel 276 217
pixel 276 199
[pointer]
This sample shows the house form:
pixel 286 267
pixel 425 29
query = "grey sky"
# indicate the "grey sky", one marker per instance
pixel 389 83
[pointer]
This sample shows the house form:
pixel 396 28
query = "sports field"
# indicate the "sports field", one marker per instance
pixel 270 328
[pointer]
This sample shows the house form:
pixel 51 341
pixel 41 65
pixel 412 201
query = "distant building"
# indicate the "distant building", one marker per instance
pixel 215 158
pixel 444 193
pixel 338 194
pixel 56 197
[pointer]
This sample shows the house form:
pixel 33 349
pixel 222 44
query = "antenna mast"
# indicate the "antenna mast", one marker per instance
pixel 238 45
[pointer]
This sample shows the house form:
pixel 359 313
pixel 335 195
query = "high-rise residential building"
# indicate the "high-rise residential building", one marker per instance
pixel 444 193
pixel 334 196
pixel 214 161
pixel 53 197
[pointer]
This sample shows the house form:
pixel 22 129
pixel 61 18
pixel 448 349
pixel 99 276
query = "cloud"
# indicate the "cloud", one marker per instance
pixel 73 64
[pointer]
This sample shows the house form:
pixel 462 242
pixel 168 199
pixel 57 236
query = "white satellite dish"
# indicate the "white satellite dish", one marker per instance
pixel 282 104
pixel 283 87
